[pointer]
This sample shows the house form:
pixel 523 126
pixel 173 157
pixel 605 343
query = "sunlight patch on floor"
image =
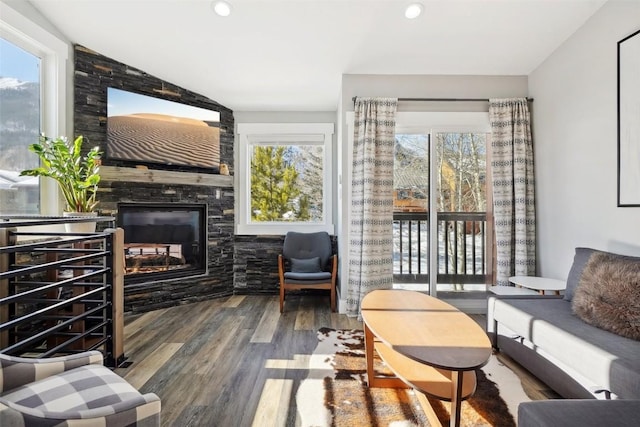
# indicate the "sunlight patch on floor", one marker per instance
pixel 150 365
pixel 299 361
pixel 274 403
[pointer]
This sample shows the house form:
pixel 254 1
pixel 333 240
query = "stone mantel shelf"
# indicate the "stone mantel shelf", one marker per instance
pixel 117 173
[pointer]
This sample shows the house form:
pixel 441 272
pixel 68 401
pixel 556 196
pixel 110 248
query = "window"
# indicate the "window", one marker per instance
pixel 19 127
pixel 33 67
pixel 285 177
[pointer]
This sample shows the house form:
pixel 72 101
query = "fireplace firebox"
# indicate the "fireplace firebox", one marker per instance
pixel 163 240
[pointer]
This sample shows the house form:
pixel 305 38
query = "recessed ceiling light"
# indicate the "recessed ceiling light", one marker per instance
pixel 413 10
pixel 222 8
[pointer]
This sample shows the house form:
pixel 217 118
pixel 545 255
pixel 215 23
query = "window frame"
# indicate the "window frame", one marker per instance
pixel 256 134
pixel 54 54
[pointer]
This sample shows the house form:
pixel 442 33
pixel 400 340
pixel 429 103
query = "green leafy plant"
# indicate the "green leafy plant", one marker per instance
pixel 77 175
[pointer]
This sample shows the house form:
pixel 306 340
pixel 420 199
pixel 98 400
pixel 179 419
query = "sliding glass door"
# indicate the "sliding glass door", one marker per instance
pixel 441 223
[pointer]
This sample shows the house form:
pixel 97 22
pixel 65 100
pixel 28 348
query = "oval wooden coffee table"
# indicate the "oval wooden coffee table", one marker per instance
pixel 427 343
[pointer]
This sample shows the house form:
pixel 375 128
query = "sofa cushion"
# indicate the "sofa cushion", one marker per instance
pixel 74 393
pixel 608 295
pixel 607 360
pixel 307 278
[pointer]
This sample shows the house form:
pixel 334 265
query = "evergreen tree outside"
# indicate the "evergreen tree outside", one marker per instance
pixel 304 207
pixel 273 184
pixel 286 183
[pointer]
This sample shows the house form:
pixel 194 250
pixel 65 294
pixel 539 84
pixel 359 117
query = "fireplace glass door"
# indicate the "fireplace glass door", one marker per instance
pixel 163 240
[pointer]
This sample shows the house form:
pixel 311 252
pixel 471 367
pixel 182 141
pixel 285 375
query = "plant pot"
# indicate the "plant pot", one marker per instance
pixel 80 227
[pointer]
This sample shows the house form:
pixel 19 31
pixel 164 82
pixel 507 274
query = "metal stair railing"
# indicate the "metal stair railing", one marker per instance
pixel 60 292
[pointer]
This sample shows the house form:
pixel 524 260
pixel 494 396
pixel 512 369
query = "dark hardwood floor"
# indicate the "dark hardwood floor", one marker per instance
pixel 221 362
pixel 233 361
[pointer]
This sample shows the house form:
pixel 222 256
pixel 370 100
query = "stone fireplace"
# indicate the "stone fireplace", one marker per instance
pixel 213 196
pixel 163 240
pixel 208 270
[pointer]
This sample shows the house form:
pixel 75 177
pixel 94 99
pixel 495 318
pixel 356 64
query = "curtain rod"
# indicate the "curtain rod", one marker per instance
pixel 443 99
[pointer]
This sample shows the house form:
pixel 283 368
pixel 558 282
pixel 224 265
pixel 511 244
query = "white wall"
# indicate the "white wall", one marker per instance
pixel 575 143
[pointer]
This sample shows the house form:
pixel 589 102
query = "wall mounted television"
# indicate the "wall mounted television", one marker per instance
pixel 146 130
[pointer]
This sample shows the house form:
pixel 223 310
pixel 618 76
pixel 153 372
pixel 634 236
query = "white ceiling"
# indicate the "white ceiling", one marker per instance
pixel 289 55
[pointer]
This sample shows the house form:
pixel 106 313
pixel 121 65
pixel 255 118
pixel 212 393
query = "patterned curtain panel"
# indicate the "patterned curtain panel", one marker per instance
pixel 371 235
pixel 513 189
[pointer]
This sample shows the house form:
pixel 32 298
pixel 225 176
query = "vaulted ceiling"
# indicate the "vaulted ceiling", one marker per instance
pixel 289 55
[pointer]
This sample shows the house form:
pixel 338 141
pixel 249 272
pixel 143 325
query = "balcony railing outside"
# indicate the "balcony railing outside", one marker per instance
pixel 462 246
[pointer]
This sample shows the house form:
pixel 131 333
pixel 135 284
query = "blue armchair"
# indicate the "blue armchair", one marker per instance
pixel 307 262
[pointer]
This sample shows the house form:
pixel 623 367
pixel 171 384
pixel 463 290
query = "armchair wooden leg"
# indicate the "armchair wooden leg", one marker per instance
pixel 281 299
pixel 333 300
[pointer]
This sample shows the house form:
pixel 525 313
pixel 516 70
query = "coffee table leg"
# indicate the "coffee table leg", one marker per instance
pixel 456 401
pixel 368 351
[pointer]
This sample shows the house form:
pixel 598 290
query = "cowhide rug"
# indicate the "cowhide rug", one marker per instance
pixel 335 392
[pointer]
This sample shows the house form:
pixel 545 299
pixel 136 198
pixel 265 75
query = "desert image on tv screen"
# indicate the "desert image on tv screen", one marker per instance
pixel 152 130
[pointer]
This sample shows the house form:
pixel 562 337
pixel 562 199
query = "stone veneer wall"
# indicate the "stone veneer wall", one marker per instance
pixel 94 73
pixel 255 264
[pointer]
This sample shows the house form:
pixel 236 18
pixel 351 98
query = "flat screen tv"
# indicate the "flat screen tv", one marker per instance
pixel 145 130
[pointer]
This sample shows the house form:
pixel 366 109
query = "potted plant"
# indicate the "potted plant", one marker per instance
pixel 77 175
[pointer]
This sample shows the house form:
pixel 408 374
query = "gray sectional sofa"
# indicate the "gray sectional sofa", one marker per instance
pixel 570 352
pixel 579 413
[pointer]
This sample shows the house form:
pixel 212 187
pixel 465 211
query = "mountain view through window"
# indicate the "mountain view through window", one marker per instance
pixel 19 127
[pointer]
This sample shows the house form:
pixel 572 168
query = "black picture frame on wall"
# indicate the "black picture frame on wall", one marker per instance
pixel 629 121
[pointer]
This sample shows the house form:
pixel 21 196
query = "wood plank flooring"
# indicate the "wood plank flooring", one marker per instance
pixel 233 361
pixel 228 362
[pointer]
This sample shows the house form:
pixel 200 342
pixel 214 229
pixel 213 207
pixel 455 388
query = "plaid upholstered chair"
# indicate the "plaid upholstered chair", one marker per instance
pixel 69 391
pixel 307 262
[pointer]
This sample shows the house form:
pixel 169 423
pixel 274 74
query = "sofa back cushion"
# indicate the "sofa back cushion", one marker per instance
pixel 579 261
pixel 608 294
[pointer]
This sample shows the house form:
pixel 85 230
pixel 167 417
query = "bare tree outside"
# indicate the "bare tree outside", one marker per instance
pixel 463 172
pixel 462 168
pixel 308 161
